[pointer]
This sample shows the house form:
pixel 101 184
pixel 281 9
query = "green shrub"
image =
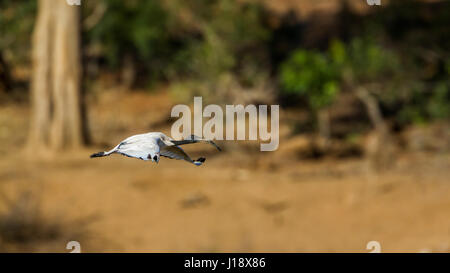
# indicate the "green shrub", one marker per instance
pixel 136 28
pixel 220 48
pixel 16 25
pixel 311 74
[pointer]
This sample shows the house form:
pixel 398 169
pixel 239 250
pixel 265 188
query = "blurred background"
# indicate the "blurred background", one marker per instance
pixel 364 95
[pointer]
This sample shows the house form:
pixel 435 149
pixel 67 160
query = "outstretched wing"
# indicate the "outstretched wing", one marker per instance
pixel 194 139
pixel 175 152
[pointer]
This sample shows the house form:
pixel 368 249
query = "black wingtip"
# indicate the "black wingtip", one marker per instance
pixel 100 154
pixel 201 159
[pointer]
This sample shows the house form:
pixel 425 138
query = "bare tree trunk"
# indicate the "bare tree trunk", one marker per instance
pixel 57 118
pixel 379 146
pixel 6 81
pixel 323 119
pixel 373 110
pixel 128 76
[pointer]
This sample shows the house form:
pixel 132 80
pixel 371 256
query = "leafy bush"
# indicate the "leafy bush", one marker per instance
pixel 220 48
pixel 311 74
pixel 16 25
pixel 369 62
pixel 426 103
pixel 394 79
pixel 133 29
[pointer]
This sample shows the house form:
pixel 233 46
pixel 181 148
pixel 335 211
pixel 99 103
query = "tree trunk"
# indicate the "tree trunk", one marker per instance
pixel 379 146
pixel 373 110
pixel 6 81
pixel 57 117
pixel 128 76
pixel 323 119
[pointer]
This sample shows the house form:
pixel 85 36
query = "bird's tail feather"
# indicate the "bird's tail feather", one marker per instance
pixel 100 154
pixel 199 161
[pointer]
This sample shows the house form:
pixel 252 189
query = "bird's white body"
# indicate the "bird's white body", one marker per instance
pixel 151 146
pixel 139 146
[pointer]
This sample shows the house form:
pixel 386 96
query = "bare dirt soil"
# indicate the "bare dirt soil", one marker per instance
pixel 234 202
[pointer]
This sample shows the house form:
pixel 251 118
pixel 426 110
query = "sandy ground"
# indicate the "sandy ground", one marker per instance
pixel 118 204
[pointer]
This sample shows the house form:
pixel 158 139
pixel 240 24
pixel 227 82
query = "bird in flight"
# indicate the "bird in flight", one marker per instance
pixel 151 146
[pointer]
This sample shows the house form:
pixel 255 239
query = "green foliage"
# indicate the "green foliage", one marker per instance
pixel 229 41
pixel 318 76
pixel 370 62
pixel 184 41
pixel 16 25
pixel 447 67
pixel 438 106
pixel 211 47
pixel 311 74
pixel 420 106
pixel 205 59
pixel 397 83
pixel 136 28
pixel 222 41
